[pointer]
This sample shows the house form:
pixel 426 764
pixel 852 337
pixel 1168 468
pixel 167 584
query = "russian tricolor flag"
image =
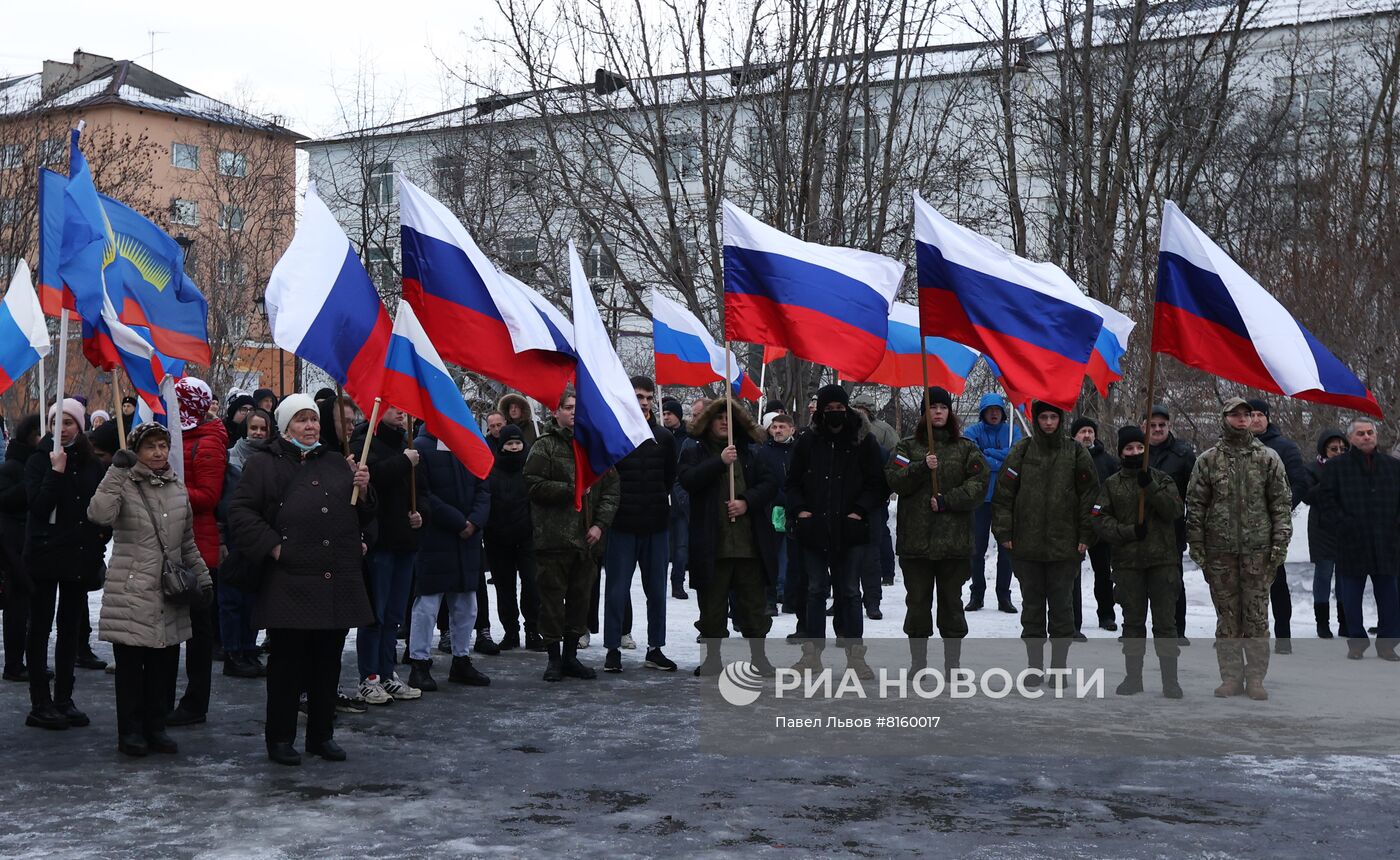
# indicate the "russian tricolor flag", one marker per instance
pixel 1210 314
pixel 323 307
pixel 608 424
pixel 686 354
pixel 1029 317
pixel 827 305
pixel 24 336
pixel 473 310
pixel 417 381
pixel 1106 364
pixel 110 343
pixel 948 363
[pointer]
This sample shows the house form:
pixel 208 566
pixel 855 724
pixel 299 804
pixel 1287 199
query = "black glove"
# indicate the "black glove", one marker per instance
pixel 1140 531
pixel 1144 478
pixel 206 598
pixel 942 503
pixel 124 459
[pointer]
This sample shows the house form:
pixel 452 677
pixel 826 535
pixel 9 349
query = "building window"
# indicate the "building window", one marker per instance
pixel 53 151
pixel 184 212
pixel 451 177
pixel 233 164
pixel 1304 98
pixel 11 155
pixel 381 183
pixel 184 156
pixel 9 211
pixel 232 272
pixel 379 263
pixel 522 165
pixel 599 258
pixel 863 133
pixel 231 218
pixel 522 249
pixel 685 157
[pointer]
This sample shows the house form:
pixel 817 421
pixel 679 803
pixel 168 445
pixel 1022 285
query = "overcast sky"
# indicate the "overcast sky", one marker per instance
pixel 284 55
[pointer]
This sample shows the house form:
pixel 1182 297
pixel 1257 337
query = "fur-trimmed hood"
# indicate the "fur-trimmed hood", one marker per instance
pixel 507 400
pixel 742 421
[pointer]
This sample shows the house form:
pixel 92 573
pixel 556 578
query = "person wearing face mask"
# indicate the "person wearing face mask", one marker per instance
pixel 934 527
pixel 1144 559
pixel 834 485
pixel 509 539
pixel 1238 526
pixel 1086 432
pixel 1322 546
pixel 62 557
pixel 140 494
pixel 1040 514
pixel 242 658
pixel 292 510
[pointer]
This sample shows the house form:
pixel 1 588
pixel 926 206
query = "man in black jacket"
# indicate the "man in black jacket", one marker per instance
pixel 776 453
pixel 1176 457
pixel 638 537
pixel 14 509
pixel 1279 598
pixel 1086 432
pixel 835 483
pixel 678 533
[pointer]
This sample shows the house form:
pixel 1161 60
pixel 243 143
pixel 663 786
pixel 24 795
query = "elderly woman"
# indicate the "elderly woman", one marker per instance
pixel 146 506
pixel 292 511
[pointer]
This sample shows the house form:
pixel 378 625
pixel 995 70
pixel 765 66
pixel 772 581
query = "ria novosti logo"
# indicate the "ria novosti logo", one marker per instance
pixel 740 684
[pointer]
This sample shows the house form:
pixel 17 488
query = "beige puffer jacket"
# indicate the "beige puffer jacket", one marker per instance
pixel 134 612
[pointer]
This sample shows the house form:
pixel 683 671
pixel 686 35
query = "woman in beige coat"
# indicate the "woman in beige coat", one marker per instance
pixel 144 628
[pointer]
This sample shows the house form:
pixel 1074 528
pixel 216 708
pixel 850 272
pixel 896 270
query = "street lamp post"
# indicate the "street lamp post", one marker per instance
pixel 261 302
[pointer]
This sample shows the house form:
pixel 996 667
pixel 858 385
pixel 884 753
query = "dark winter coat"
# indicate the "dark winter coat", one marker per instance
pixel 962 485
pixel 447 562
pixel 645 477
pixel 389 469
pixel 1321 545
pixel 831 476
pixel 549 476
pixel 206 460
pixel 1359 501
pixel 1044 496
pixel 1105 464
pixel 680 502
pixel 14 499
pixel 302 503
pixel 509 524
pixel 71 548
pixel 706 478
pixel 776 457
pixel 1115 519
pixel 1292 458
pixel 1176 457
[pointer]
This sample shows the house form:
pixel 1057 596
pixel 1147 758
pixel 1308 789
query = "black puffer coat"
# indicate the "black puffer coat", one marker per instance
pixel 1322 546
pixel 646 476
pixel 389 469
pixel 510 524
pixel 447 562
pixel 71 548
pixel 302 503
pixel 832 475
pixel 1177 458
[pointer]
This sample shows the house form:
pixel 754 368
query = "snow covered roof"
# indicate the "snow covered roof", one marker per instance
pixel 119 82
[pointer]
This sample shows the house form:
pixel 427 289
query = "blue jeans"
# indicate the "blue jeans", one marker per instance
pixel 1322 581
pixel 236 629
pixel 390 577
pixel 624 552
pixel 461 622
pixel 981 538
pixel 839 573
pixel 1387 592
pixel 680 546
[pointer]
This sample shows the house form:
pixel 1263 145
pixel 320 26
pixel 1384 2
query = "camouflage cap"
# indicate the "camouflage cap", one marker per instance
pixel 1232 404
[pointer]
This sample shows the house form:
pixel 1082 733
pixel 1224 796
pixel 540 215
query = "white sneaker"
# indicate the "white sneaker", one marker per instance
pixel 583 641
pixel 628 643
pixel 373 692
pixel 399 690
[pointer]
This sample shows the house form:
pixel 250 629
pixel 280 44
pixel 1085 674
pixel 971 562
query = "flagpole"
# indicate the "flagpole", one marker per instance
pixel 55 429
pixel 43 388
pixel 894 392
pixel 369 437
pixel 928 419
pixel 412 469
pixel 343 431
pixel 117 401
pixel 762 381
pixel 729 417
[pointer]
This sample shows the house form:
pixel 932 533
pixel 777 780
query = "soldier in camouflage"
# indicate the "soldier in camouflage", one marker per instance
pixel 1238 527
pixel 935 526
pixel 1145 558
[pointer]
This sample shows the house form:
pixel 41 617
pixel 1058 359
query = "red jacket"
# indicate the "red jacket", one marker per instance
pixel 206 456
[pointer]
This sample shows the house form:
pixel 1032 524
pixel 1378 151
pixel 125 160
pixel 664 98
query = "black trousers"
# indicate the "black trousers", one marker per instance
pixel 199 663
pixel 303 661
pixel 145 685
pixel 69 600
pixel 483 602
pixel 16 614
pixel 510 562
pixel 1282 603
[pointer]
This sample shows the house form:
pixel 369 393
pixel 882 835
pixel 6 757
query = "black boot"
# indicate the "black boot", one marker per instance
pixel 758 658
pixel 572 667
pixel 283 752
pixel 76 718
pixel 161 742
pixel 463 672
pixel 1320 612
pixel 45 716
pixel 1171 688
pixel 1035 660
pixel 711 665
pixel 952 657
pixel 484 644
pixel 1132 682
pixel 327 749
pixel 1341 620
pixel 132 745
pixel 554 670
pixel 510 641
pixel 534 642
pixel 421 676
pixel 1059 659
pixel 918 655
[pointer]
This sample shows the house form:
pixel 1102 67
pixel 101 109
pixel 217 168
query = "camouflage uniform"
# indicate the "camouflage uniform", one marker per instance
pixel 934 548
pixel 1145 569
pixel 1238 525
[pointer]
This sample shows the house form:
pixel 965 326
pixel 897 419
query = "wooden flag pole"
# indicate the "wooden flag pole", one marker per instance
pixel 344 430
pixel 928 419
pixel 43 405
pixel 117 399
pixel 894 393
pixel 412 469
pixel 729 417
pixel 369 437
pixel 1147 448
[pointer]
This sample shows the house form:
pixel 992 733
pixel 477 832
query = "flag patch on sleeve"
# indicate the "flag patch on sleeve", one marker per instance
pixel 901 461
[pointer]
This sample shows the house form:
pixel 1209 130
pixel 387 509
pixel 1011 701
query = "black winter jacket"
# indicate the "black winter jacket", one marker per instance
pixel 831 476
pixel 705 477
pixel 1177 458
pixel 510 524
pixel 1105 464
pixel 1292 458
pixel 388 474
pixel 646 477
pixel 447 562
pixel 71 546
pixel 1321 545
pixel 1359 501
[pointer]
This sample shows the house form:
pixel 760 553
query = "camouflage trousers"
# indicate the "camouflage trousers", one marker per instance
pixel 922 580
pixel 1239 587
pixel 1136 588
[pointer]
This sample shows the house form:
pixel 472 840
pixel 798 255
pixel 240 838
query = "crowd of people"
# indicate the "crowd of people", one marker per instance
pixel 277 524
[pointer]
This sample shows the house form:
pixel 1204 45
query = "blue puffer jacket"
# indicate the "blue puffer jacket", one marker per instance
pixel 995 440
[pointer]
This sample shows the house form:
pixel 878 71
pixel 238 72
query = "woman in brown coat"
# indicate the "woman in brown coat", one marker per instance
pixel 292 512
pixel 138 492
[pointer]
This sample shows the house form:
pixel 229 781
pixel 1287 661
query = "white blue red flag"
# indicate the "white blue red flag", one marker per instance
pixel 1106 364
pixel 1029 317
pixel 948 363
pixel 608 423
pixel 686 354
pixel 24 336
pixel 1210 314
pixel 827 305
pixel 323 307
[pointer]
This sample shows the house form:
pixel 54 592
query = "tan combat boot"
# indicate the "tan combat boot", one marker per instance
pixel 811 659
pixel 1255 690
pixel 855 661
pixel 1230 688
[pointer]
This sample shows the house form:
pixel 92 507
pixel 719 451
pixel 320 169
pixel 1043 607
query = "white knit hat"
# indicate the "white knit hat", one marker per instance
pixel 70 407
pixel 290 406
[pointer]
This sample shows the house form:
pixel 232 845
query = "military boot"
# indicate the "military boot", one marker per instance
pixel 811 659
pixel 1171 688
pixel 1035 661
pixel 855 662
pixel 572 667
pixel 952 657
pixel 1059 659
pixel 712 664
pixel 1255 690
pixel 1321 612
pixel 1228 688
pixel 918 655
pixel 554 670
pixel 421 676
pixel 758 658
pixel 1132 683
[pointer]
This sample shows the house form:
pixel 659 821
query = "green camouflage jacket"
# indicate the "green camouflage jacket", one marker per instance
pixel 1238 500
pixel 1043 496
pixel 1115 519
pixel 549 479
pixel 962 482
